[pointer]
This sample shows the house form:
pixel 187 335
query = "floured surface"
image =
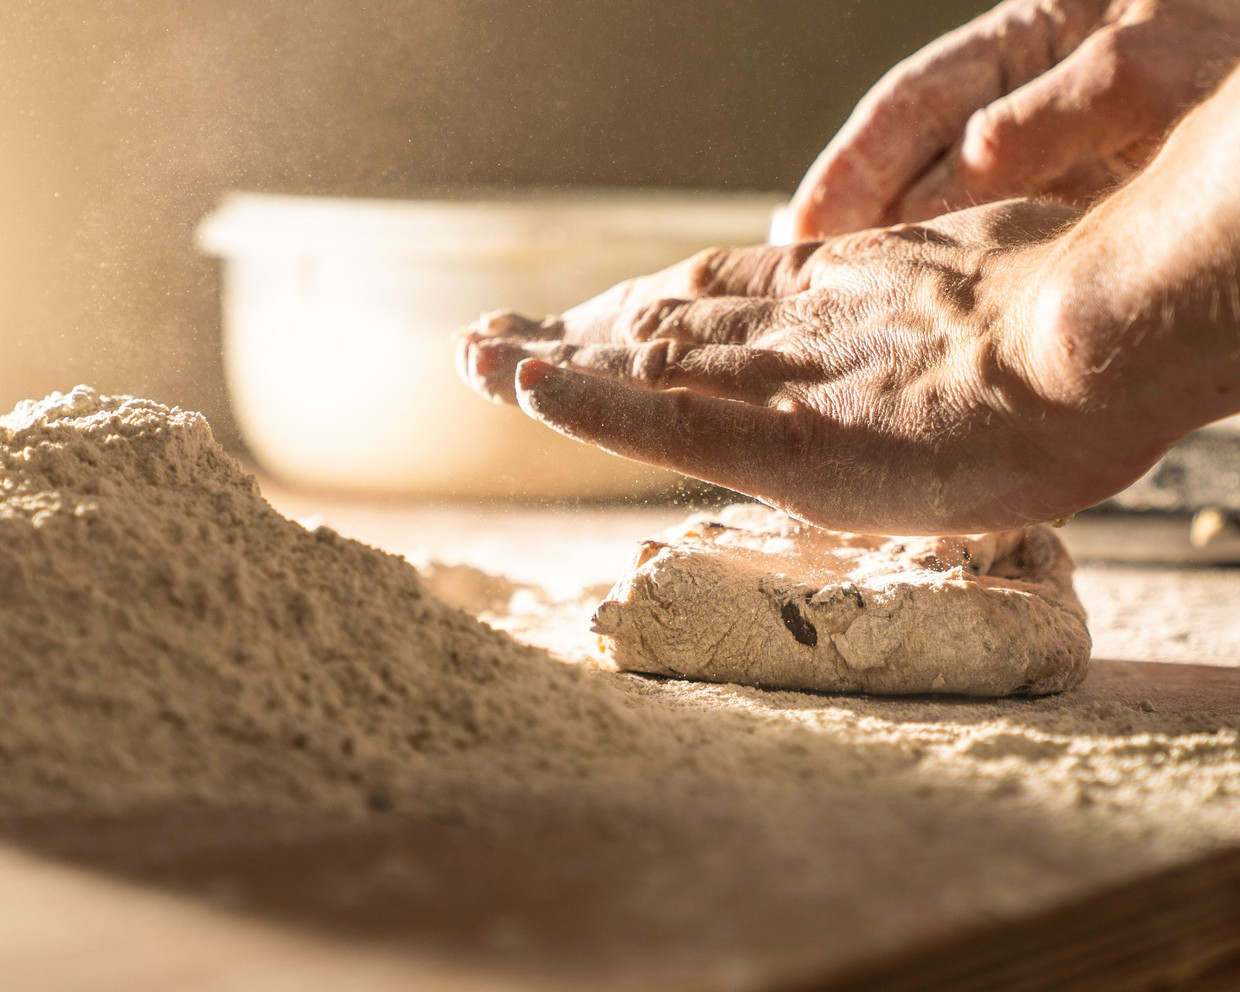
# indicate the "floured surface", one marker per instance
pixel 747 594
pixel 1163 614
pixel 762 864
pixel 542 817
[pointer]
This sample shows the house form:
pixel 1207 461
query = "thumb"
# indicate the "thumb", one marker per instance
pixel 1085 112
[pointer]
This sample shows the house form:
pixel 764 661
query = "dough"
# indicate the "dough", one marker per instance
pixel 751 595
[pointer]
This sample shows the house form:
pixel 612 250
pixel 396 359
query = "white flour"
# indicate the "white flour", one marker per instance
pixel 166 636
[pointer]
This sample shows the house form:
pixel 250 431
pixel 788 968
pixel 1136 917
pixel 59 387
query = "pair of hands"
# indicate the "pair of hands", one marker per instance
pixel 893 380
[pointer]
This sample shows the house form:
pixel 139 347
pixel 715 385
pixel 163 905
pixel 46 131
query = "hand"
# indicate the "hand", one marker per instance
pixel 889 381
pixel 1058 98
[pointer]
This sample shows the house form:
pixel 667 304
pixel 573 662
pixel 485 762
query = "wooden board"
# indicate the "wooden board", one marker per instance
pixel 190 898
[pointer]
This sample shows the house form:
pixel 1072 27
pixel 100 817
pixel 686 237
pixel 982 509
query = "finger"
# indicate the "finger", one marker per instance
pixel 752 449
pixel 754 270
pixel 510 324
pixel 945 188
pixel 614 317
pixel 1087 111
pixel 724 371
pixel 939 191
pixel 487 366
pixel 917 113
pixel 706 320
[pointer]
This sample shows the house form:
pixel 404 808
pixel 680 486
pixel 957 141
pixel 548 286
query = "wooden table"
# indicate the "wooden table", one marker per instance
pixel 197 899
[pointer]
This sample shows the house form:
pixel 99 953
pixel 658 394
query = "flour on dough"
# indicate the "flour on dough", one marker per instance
pixel 751 595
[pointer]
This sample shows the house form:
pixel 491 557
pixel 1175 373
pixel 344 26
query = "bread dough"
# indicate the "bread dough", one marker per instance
pixel 751 595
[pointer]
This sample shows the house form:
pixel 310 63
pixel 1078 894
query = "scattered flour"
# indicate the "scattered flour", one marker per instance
pixel 166 636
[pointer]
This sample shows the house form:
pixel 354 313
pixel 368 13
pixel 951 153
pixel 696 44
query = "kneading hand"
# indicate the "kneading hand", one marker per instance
pixel 1052 98
pixel 884 382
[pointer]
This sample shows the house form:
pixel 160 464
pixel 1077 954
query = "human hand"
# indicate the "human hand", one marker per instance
pixel 1057 98
pixel 891 381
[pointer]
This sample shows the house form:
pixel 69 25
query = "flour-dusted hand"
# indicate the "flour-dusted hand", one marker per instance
pixel 1055 98
pixel 881 382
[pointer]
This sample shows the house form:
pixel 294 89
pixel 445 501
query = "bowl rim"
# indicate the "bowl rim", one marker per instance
pixel 483 222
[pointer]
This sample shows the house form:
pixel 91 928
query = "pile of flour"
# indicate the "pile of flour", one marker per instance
pixel 165 634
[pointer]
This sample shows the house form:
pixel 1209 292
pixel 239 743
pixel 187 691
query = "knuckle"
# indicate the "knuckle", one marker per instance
pixel 795 266
pixel 988 132
pixel 703 270
pixel 659 363
pixel 657 319
pixel 649 363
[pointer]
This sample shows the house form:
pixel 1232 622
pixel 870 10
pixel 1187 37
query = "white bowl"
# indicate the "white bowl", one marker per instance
pixel 338 315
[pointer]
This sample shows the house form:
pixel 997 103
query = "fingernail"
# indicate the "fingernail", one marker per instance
pixel 483 360
pixel 532 373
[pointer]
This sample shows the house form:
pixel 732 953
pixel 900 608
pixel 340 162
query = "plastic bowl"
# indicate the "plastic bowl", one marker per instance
pixel 338 315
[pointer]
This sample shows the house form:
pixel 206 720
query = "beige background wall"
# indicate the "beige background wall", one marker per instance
pixel 122 122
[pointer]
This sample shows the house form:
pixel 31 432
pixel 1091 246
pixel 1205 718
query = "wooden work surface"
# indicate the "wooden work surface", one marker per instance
pixel 197 899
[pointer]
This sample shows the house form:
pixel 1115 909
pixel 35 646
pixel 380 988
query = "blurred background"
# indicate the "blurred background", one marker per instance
pixel 122 122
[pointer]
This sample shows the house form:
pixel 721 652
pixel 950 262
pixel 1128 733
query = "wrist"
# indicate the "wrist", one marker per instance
pixel 1137 314
pixel 1158 359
